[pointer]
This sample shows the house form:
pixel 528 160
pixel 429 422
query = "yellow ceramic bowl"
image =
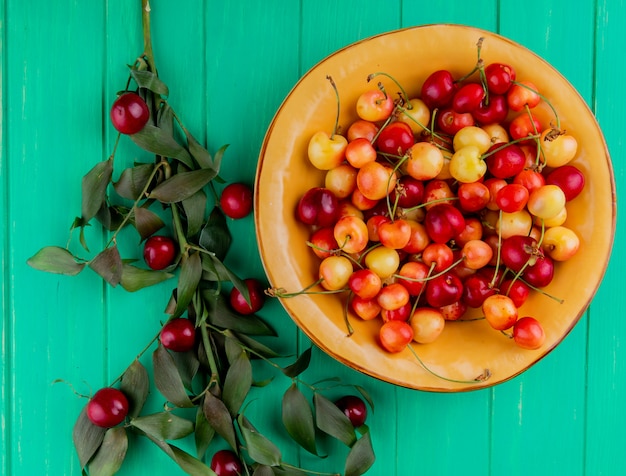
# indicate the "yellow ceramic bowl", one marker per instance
pixel 284 173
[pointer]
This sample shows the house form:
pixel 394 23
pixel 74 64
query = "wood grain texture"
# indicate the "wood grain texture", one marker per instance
pixel 229 65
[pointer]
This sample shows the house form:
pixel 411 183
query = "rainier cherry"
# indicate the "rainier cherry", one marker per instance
pixel 427 324
pixel 129 113
pixel 226 463
pixel 236 200
pixel 159 252
pixel 107 408
pixel 178 334
pixel 257 297
pixel 354 408
pixel 395 335
pixel 528 333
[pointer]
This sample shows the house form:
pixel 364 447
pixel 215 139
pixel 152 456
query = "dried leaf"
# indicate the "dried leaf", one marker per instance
pixel 149 80
pixel 188 280
pixel 237 383
pixel 94 188
pixel 108 264
pixel 135 385
pixel 147 222
pixel 300 365
pixel 87 437
pixel 163 426
pixel 161 142
pixel 133 181
pixel 168 380
pixel 298 418
pixel 182 185
pixel 195 210
pixel 361 456
pixel 259 448
pixel 219 418
pixel 331 420
pixel 134 278
pixel 215 236
pixel 111 454
pixel 54 259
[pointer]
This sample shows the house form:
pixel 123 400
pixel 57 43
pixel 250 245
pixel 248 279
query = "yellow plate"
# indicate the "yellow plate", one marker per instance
pixel 284 173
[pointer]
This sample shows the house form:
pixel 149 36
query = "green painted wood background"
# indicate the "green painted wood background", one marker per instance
pixel 228 66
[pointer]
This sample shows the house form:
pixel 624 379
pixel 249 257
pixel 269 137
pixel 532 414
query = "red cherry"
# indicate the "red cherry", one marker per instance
pixel 438 89
pixel 569 179
pixel 395 139
pixel 494 112
pixel 499 77
pixel 319 207
pixel 257 297
pixel 540 274
pixel 409 192
pixel 476 289
pixel 505 160
pixel 468 97
pixel 451 122
pixel 528 333
pixel 444 290
pixel 443 222
pixel 107 408
pixel 178 335
pixel 159 252
pixel 226 463
pixel 236 200
pixel 129 113
pixel 354 408
pixel 517 250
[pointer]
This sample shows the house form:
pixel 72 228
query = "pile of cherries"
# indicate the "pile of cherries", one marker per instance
pixel 451 200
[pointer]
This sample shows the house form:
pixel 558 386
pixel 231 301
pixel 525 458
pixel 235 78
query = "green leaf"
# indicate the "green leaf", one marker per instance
pixel 163 426
pixel 108 264
pixel 215 236
pixel 298 418
pixel 221 315
pixel 195 209
pixel 147 222
pixel 364 393
pixel 133 181
pixel 212 265
pixel 149 80
pixel 168 380
pixel 87 437
pixel 361 456
pixel 219 418
pixel 187 364
pixel 331 420
pixel 135 385
pixel 110 217
pixel 259 448
pixel 203 434
pixel 217 161
pixel 182 185
pixel 110 456
pixel 300 365
pixel 188 280
pixel 237 383
pixel 202 156
pixel 165 119
pixel 134 278
pixel 161 142
pixel 287 471
pixel 263 470
pixel 184 460
pixel 256 347
pixel 54 259
pixel 94 188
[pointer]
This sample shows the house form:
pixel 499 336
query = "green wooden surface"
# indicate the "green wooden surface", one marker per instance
pixel 228 66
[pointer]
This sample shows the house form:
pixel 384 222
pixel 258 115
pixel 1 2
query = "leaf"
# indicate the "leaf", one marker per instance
pixel 188 280
pixel 182 185
pixel 263 470
pixel 215 236
pixel 135 385
pixel 161 142
pixel 87 437
pixel 195 209
pixel 219 418
pixel 147 222
pixel 165 119
pixel 221 315
pixel 361 456
pixel 298 418
pixel 256 347
pixel 134 278
pixel 331 420
pixel 289 471
pixel 364 393
pixel 163 426
pixel 133 181
pixel 300 365
pixel 259 448
pixel 212 264
pixel 237 383
pixel 94 187
pixel 184 460
pixel 203 434
pixel 108 264
pixel 54 259
pixel 111 454
pixel 202 156
pixel 168 380
pixel 187 364
pixel 149 80
pixel 217 161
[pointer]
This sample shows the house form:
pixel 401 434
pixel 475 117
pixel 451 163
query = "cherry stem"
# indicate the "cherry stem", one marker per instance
pixel 139 355
pixel 279 292
pixel 545 99
pixel 346 318
pixel 336 127
pixel 208 350
pixel 495 273
pixel 402 91
pixel 147 37
pixel 480 378
pixel 432 202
